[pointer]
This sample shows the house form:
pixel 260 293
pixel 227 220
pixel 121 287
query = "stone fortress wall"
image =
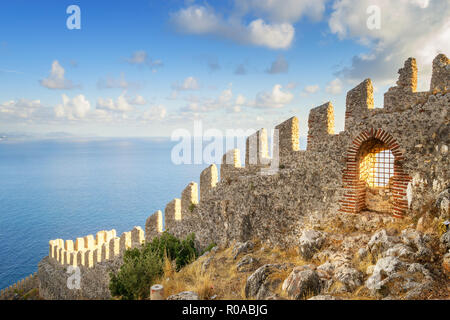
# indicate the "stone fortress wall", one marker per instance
pixel 245 202
pixel 23 285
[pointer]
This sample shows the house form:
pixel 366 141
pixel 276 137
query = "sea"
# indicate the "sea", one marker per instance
pixel 69 188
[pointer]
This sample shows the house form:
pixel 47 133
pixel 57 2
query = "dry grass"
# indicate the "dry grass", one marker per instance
pixel 222 279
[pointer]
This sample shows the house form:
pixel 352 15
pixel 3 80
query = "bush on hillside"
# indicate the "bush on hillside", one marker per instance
pixel 141 266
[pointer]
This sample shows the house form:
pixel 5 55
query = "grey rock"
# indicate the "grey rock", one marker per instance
pixel 258 284
pixel 301 283
pixel 247 263
pixel 362 253
pixel 205 264
pixel 399 250
pixel 384 268
pixel 185 295
pixel 445 240
pixel 349 277
pixel 242 248
pixel 310 242
pixel 380 242
pixel 326 267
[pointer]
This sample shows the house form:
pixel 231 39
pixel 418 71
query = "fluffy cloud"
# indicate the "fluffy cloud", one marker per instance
pixel 190 83
pixel 276 98
pixel 204 20
pixel 138 100
pixel 121 104
pixel 280 65
pixel 274 36
pixel 154 113
pixel 334 86
pixel 141 58
pixel 73 109
pixel 224 102
pixel 56 79
pixel 422 30
pixel 21 108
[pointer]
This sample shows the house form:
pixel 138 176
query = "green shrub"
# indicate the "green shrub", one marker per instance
pixel 209 247
pixel 141 266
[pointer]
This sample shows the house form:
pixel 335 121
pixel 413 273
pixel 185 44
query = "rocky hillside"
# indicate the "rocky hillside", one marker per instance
pixel 366 256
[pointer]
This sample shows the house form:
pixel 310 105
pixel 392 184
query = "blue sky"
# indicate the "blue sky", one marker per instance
pixel 146 68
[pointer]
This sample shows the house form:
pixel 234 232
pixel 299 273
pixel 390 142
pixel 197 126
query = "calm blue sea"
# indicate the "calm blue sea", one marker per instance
pixel 65 189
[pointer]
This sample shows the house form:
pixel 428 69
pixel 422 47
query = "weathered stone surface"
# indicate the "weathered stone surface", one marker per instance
pixel 94 282
pixel 349 277
pixel 446 263
pixel 302 282
pixel 242 248
pixel 185 295
pixel 246 264
pixel 310 242
pixel 445 240
pixel 259 285
pixel 383 270
pixel 380 242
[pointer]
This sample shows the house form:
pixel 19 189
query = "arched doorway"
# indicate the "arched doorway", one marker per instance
pixel 376 170
pixel 373 178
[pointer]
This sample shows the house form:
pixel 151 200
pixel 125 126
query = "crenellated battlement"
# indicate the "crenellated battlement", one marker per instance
pixel 321 137
pixel 358 102
pixel 21 286
pixel 321 125
pixel 88 251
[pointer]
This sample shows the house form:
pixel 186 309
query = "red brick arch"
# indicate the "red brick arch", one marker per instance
pixel 354 189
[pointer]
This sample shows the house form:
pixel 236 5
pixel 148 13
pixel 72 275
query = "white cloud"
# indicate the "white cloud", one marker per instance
pixel 310 89
pixel 121 104
pixel 138 57
pixel 280 65
pixel 154 113
pixel 409 28
pixel 56 79
pixel 196 20
pixel 276 98
pixel 274 36
pixel 138 100
pixel 190 83
pixel 204 20
pixel 224 101
pixel 142 58
pixel 73 109
pixel 22 108
pixel 334 86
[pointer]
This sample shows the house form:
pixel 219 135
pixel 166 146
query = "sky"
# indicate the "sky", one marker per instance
pixel 146 68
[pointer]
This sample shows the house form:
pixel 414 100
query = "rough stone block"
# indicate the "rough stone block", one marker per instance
pixel 79 244
pixel 137 237
pixel 153 226
pixel 208 180
pixel 125 242
pixel 114 247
